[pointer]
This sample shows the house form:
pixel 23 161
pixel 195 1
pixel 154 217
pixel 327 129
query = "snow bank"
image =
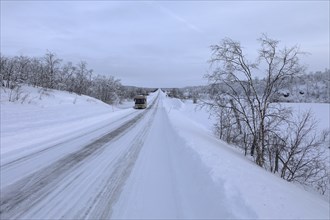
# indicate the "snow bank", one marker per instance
pixel 246 185
pixel 42 117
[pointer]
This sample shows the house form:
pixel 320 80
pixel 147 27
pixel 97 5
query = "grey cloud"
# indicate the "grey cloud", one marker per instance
pixel 159 43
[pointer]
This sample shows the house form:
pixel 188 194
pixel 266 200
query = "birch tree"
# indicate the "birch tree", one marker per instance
pixel 249 105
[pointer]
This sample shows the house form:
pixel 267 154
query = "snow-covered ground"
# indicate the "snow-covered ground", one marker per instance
pixel 245 185
pixel 320 111
pixel 68 156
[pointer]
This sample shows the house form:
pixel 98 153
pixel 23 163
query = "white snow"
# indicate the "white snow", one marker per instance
pixel 48 117
pixel 177 168
pixel 247 186
pixel 321 112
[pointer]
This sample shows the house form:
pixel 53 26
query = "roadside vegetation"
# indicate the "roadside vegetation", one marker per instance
pixel 51 72
pixel 249 113
pixel 249 110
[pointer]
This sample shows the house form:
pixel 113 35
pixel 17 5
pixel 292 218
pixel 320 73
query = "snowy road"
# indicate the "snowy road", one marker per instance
pixel 139 169
pixel 95 181
pixel 169 181
pixel 78 182
pixel 158 163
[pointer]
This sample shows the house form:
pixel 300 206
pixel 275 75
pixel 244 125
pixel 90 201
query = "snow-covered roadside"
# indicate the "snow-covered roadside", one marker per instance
pixel 244 182
pixel 83 181
pixel 182 170
pixel 48 117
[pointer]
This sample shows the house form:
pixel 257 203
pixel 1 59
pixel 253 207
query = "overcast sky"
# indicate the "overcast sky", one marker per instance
pixel 159 43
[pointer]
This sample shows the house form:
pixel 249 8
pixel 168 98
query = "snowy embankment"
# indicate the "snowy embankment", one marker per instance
pixel 246 186
pixel 162 162
pixel 43 117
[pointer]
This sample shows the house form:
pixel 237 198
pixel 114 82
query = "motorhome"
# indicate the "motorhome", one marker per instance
pixel 140 102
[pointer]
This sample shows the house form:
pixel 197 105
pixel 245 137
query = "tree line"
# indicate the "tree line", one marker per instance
pixel 51 72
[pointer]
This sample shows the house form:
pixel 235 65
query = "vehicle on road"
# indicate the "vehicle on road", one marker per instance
pixel 140 102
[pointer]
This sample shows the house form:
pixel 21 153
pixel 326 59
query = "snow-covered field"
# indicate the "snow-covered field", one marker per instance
pixel 68 156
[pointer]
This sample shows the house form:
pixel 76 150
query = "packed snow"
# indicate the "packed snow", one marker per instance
pixel 69 156
pixel 246 186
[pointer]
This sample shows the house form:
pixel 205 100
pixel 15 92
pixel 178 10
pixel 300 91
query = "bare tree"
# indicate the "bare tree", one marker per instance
pixel 52 65
pixel 251 105
pixel 303 159
pixel 8 72
pixel 36 72
pixel 65 75
pixel 248 117
pixel 106 89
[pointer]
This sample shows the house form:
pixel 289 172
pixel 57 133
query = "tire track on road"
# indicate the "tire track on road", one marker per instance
pixel 123 168
pixel 45 150
pixel 19 197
